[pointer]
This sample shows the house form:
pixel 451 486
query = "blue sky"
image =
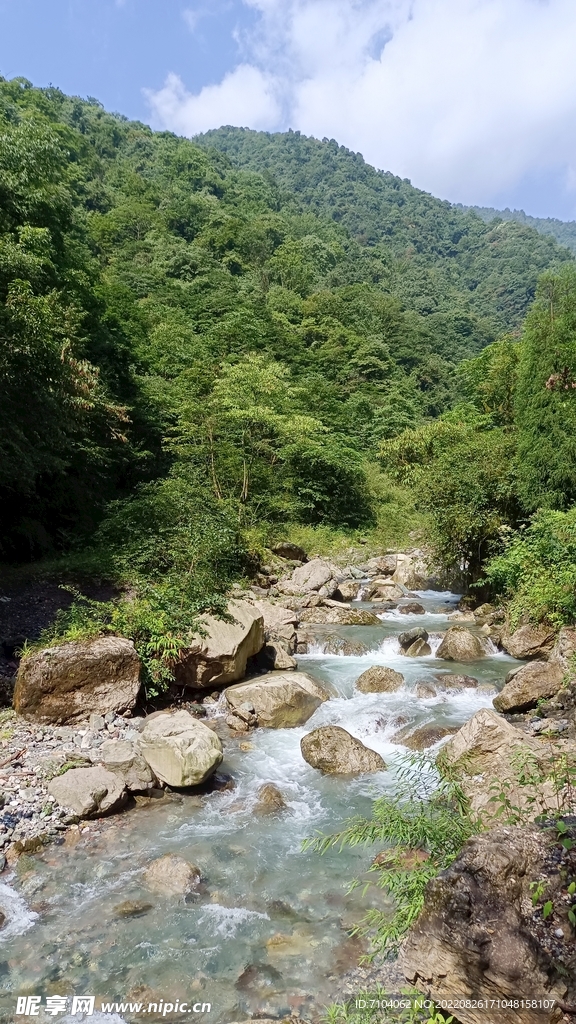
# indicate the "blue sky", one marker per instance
pixel 473 100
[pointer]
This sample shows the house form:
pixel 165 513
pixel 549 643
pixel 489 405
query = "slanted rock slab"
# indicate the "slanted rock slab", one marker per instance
pixel 281 700
pixel 379 679
pixel 69 682
pixel 334 751
pixel 529 642
pixel 88 792
pixel 220 655
pixel 478 940
pixel 179 749
pixel 486 750
pixel 537 680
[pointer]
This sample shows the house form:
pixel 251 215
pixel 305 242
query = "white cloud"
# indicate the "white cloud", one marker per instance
pixel 468 98
pixel 244 97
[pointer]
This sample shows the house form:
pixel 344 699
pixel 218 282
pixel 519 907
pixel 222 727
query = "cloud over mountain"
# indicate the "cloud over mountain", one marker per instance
pixel 468 98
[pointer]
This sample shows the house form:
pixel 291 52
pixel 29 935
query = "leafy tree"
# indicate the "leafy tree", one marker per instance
pixel 545 414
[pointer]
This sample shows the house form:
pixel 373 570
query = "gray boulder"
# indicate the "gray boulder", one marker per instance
pixel 179 749
pixel 418 649
pixel 311 576
pixel 220 655
pixel 334 751
pixel 459 644
pixel 69 682
pixel 126 761
pixel 379 679
pixel 88 792
pixel 529 642
pixel 407 638
pixel 535 681
pixel 280 700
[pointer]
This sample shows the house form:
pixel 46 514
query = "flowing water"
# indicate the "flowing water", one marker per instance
pixel 270 933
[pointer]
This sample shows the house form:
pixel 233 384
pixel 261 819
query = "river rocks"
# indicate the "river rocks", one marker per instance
pixel 478 938
pixel 523 690
pixel 459 644
pixel 270 800
pixel 334 751
pixel 126 761
pixel 66 683
pixel 565 647
pixel 88 792
pixel 280 700
pixel 412 608
pixel 311 576
pixel 411 570
pixel 384 590
pixel 180 750
pixel 379 679
pixel 220 655
pixel 529 642
pixel 275 656
pixel 348 590
pixel 424 736
pixel 417 649
pixel 132 908
pixel 340 616
pixel 407 638
pixel 171 875
pixel 424 691
pixel 291 551
pixel 450 681
pixel 486 751
pixel 382 565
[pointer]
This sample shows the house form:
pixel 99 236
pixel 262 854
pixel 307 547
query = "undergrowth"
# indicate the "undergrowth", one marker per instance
pixel 429 813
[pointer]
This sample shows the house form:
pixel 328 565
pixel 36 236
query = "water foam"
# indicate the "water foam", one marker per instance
pixel 19 918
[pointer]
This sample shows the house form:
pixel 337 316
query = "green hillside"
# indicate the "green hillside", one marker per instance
pixel 208 344
pixel 564 231
pixel 443 258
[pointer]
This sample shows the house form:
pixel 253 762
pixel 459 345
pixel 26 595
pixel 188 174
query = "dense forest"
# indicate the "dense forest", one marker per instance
pixel 205 342
pixel 563 231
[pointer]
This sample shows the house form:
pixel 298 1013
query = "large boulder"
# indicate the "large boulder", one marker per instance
pixel 180 750
pixel 292 551
pixel 333 750
pixel 311 576
pixel 407 638
pixel 219 656
pixel 384 590
pixel 280 700
pixel 489 753
pixel 348 590
pixel 88 792
pixel 479 941
pixel 171 875
pixel 69 682
pixel 411 570
pixel 529 642
pixel 565 647
pixel 459 644
pixel 523 689
pixel 126 761
pixel 379 679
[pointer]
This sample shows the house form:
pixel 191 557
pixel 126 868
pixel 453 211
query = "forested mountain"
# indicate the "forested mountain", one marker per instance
pixel 564 231
pixel 204 341
pixel 444 261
